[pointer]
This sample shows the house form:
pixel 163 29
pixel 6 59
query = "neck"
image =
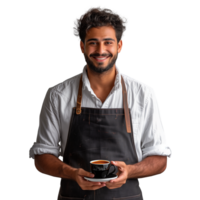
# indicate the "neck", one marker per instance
pixel 103 83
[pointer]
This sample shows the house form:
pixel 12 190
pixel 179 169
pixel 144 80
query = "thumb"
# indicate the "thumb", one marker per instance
pixel 82 172
pixel 119 164
pixel 114 163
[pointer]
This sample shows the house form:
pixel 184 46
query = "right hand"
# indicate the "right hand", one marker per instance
pixel 85 184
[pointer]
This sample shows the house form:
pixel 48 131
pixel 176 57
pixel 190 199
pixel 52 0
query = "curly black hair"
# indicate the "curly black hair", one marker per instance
pixel 97 17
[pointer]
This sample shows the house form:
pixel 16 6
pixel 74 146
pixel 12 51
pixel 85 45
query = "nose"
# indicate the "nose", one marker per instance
pixel 101 48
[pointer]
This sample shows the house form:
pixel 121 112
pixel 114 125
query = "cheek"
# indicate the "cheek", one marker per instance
pixel 90 49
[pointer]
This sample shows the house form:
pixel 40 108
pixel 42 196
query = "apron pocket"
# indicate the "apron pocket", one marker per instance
pixel 128 198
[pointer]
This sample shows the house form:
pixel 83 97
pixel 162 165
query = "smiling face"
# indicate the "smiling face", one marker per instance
pixel 101 48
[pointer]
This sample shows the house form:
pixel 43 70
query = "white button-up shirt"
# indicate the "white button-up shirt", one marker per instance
pixel 57 109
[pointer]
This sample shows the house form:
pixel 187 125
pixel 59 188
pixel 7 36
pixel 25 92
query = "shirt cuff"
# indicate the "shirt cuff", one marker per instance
pixel 158 150
pixel 38 149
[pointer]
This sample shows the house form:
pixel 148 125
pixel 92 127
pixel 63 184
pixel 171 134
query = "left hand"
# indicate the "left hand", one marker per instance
pixel 122 175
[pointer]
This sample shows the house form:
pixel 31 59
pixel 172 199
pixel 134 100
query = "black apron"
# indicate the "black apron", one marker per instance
pixel 100 134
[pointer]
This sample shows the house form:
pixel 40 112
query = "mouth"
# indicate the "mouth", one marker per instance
pixel 100 58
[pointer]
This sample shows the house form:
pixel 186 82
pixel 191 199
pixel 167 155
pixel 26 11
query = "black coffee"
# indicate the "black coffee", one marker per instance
pixel 100 162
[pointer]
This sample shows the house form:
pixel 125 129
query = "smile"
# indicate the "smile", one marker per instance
pixel 100 58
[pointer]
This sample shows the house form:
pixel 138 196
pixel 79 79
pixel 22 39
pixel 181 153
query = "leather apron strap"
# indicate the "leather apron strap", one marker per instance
pixel 125 103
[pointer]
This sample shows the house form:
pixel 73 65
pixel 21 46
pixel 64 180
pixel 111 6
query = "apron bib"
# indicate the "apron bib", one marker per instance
pixel 100 134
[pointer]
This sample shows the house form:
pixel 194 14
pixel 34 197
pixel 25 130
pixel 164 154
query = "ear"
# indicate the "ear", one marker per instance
pixel 80 47
pixel 119 46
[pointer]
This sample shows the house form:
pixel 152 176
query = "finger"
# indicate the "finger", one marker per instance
pixel 118 179
pixel 118 163
pixel 82 172
pixel 121 169
pixel 89 183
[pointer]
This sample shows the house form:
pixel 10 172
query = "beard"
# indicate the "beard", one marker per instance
pixel 99 69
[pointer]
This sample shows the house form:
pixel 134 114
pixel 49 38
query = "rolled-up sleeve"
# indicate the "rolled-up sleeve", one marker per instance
pixel 48 137
pixel 153 140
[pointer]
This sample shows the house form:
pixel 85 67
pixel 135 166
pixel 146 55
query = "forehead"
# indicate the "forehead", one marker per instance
pixel 101 33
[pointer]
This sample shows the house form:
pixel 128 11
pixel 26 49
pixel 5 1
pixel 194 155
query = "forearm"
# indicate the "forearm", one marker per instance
pixel 51 165
pixel 150 166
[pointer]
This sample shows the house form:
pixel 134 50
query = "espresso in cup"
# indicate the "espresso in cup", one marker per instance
pixel 100 168
pixel 100 162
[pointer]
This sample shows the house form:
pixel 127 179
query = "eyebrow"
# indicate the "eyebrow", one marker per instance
pixel 95 39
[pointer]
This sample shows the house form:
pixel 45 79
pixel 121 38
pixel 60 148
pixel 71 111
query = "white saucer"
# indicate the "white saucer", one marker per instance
pixel 101 179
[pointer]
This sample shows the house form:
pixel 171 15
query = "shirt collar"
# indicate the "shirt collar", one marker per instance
pixel 86 82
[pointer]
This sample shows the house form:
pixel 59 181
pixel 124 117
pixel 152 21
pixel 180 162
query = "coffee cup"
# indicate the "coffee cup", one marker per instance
pixel 100 168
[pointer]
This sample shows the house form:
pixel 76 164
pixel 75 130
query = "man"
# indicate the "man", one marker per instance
pixel 100 114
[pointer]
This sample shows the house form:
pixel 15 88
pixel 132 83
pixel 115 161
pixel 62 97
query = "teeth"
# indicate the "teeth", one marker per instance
pixel 100 58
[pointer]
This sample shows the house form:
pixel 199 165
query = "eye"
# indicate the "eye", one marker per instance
pixel 92 43
pixel 95 43
pixel 108 42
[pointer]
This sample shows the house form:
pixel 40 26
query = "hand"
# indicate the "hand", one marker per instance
pixel 122 175
pixel 85 184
